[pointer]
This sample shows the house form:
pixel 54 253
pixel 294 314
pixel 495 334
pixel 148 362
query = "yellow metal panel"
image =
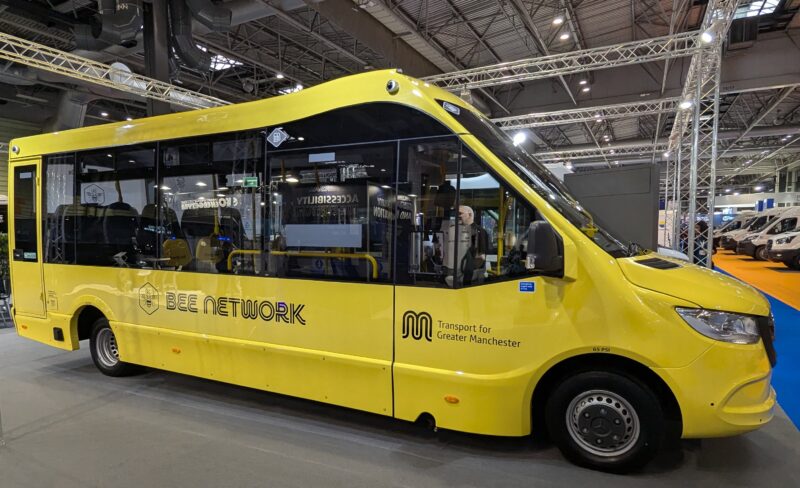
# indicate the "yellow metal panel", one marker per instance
pixel 336 347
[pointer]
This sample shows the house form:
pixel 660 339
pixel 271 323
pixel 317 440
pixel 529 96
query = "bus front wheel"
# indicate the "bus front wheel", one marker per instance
pixel 105 352
pixel 605 421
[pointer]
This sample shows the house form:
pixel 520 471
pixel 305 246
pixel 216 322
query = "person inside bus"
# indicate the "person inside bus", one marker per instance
pixel 473 262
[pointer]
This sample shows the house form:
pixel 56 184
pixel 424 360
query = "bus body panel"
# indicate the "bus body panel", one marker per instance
pixel 333 343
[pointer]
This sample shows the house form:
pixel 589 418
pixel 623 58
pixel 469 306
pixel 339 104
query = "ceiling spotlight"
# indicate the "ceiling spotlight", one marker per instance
pixel 666 154
pixel 568 165
pixel 736 193
pixel 685 104
pixel 583 82
pixel 298 87
pixel 585 89
pixel 758 188
pixel 200 183
pixel 519 138
pixel 301 138
pixel 292 179
pixel 279 76
pixel 598 116
pixel 104 114
pixel 707 36
pixel 612 151
pixel 564 36
pixel 727 190
pixel 128 118
pixel 558 20
pixel 616 162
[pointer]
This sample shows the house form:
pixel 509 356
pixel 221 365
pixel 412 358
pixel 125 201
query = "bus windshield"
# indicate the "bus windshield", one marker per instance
pixel 541 180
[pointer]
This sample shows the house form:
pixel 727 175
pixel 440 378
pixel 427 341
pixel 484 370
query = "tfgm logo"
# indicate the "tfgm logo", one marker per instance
pixel 417 325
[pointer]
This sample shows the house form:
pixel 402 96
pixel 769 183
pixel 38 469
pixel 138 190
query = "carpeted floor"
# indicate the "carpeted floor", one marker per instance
pixel 774 279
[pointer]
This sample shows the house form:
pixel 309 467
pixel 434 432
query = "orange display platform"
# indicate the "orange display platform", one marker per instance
pixel 772 278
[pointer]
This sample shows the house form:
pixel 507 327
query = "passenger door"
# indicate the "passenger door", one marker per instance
pixel 468 311
pixel 25 238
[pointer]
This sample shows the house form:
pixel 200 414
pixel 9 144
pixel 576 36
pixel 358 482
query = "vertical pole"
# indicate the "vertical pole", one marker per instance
pixel 156 49
pixel 712 170
pixel 676 216
pixel 666 200
pixel 692 217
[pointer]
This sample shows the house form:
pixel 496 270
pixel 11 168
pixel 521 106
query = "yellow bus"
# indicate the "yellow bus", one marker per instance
pixel 376 243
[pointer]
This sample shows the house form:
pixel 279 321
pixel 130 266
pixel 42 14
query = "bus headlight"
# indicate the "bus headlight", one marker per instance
pixel 722 326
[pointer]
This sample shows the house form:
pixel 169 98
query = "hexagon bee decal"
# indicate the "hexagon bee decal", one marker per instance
pixel 94 194
pixel 148 298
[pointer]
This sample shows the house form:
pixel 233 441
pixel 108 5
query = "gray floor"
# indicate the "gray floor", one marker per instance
pixel 66 425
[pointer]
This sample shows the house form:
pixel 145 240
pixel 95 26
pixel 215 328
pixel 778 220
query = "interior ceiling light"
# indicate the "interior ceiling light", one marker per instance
pixel 685 104
pixel 558 20
pixel 564 36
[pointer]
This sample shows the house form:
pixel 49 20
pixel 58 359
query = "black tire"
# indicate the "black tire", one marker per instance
pixel 607 407
pixel 105 355
pixel 760 253
pixel 794 263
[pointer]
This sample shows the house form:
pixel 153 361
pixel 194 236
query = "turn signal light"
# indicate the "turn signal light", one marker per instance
pixel 451 399
pixel 176 350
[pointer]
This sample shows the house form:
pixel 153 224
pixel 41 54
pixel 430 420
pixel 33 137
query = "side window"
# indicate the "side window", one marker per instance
pixel 785 225
pixel 494 225
pixel 332 212
pixel 427 217
pixel 211 209
pixel 60 209
pixel 114 188
pixel 25 214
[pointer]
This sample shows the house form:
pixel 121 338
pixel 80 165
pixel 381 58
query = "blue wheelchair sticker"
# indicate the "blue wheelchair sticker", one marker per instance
pixel 527 286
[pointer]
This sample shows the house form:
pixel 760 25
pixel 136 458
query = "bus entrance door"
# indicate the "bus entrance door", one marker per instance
pixel 25 240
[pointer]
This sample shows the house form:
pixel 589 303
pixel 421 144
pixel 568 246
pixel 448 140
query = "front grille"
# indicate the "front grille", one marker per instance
pixel 658 263
pixel 766 329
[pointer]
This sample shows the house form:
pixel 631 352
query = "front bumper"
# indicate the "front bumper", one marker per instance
pixel 747 248
pixel 783 255
pixel 724 392
pixel 727 243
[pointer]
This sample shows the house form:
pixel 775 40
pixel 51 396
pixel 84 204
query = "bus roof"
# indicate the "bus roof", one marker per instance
pixel 342 92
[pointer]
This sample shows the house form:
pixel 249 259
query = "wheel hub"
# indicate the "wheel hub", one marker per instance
pixel 603 423
pixel 107 351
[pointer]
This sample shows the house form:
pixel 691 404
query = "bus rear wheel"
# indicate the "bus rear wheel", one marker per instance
pixel 105 351
pixel 605 421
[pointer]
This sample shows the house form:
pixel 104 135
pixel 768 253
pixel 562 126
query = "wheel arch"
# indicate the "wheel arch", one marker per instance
pixel 600 362
pixel 84 316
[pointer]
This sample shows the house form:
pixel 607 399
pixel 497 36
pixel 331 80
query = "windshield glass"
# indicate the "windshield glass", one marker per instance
pixel 760 224
pixel 541 180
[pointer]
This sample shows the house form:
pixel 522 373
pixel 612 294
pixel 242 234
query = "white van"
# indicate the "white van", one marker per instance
pixel 740 220
pixel 755 244
pixel 785 249
pixel 729 240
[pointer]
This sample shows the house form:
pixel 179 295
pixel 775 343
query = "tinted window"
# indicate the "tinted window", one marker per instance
pixel 25 213
pixel 211 207
pixel 114 187
pixel 332 212
pixel 60 209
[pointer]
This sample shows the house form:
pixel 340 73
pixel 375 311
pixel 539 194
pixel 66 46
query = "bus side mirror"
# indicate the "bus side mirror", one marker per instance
pixel 544 249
